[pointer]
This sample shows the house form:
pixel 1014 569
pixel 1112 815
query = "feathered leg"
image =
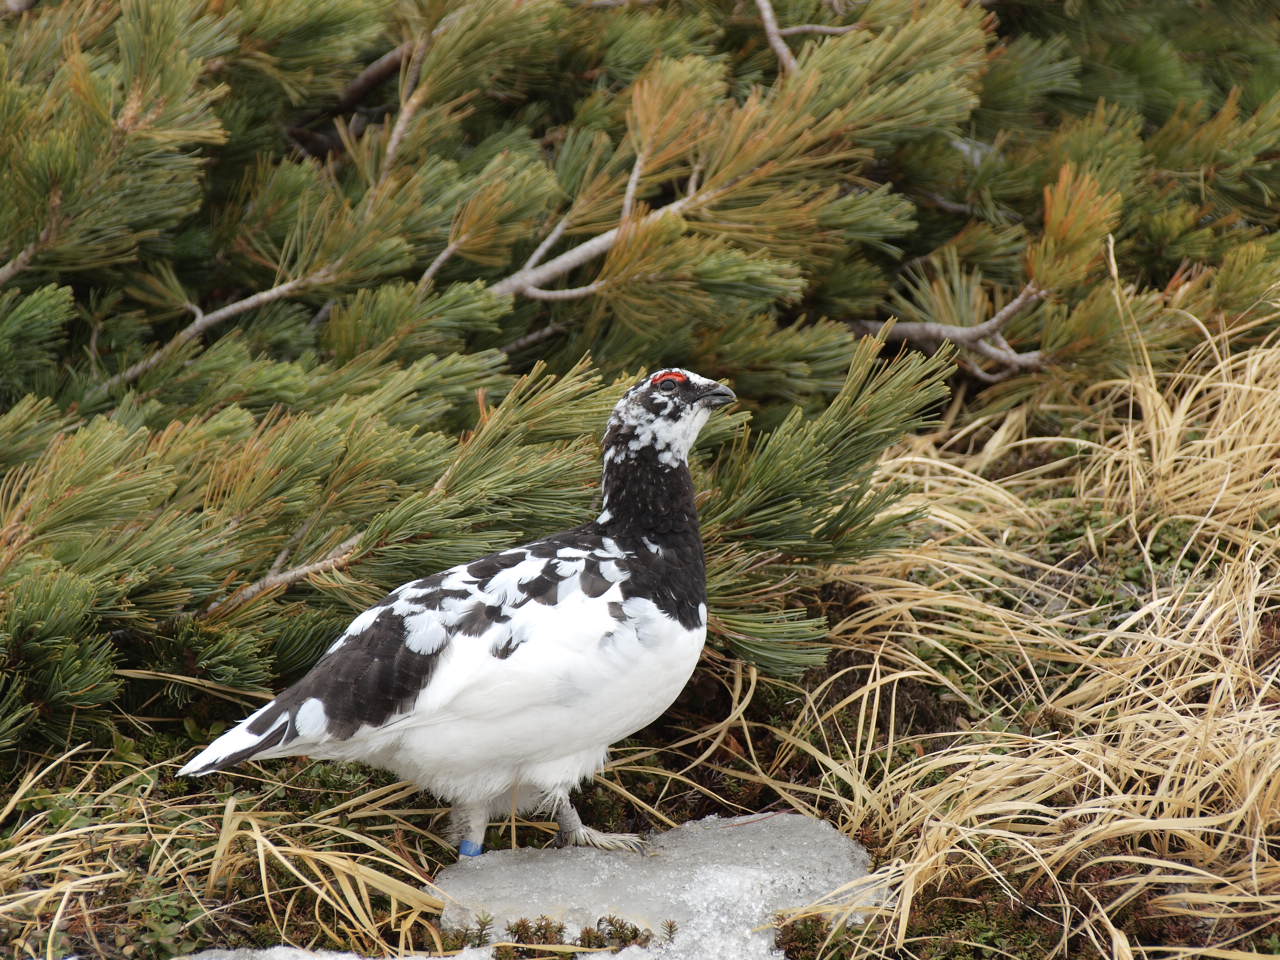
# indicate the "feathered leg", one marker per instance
pixel 469 824
pixel 573 833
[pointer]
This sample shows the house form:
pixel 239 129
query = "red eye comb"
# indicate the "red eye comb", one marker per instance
pixel 672 375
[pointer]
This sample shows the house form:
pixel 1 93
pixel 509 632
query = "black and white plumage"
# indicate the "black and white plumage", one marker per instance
pixel 505 680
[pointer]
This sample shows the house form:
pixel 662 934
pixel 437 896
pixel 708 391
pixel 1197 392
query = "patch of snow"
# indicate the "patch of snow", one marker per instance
pixel 717 879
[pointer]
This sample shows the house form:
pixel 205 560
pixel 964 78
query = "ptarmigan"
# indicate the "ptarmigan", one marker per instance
pixel 505 680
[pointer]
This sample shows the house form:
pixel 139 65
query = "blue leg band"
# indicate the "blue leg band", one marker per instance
pixel 469 848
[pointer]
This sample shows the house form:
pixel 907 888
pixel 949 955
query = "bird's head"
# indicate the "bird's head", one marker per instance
pixel 664 411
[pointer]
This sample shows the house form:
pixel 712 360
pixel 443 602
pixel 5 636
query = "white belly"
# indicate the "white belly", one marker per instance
pixel 539 720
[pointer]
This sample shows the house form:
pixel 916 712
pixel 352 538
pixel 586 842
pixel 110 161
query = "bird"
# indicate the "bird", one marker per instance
pixel 502 682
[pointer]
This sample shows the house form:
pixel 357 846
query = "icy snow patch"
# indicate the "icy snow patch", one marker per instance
pixel 718 879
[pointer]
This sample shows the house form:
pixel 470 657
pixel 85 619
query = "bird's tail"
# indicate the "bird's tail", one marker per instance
pixel 254 736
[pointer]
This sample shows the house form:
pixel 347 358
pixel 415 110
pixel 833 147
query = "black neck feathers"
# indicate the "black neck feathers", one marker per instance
pixel 649 510
pixel 645 493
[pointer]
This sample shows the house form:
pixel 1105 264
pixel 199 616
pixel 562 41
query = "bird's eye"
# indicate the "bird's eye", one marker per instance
pixel 667 386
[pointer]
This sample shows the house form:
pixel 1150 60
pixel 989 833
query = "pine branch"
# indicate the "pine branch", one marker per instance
pixel 819 28
pixel 387 64
pixel 568 293
pixel 538 276
pixel 694 178
pixel 951 206
pixel 629 197
pixel 1026 297
pixel 372 75
pixel 20 262
pixel 529 339
pixel 204 321
pixel 22 259
pixel 547 243
pixel 985 339
pixel 405 117
pixel 786 59
pixel 339 557
pixel 441 259
pixel 321 316
pixel 292 543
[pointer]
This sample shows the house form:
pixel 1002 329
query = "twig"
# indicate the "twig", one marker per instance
pixel 204 321
pixel 951 206
pixel 291 544
pixel 786 59
pixel 985 339
pixel 442 257
pixel 629 198
pixel 547 243
pixel 389 63
pixel 322 315
pixel 1026 296
pixel 605 4
pixel 539 275
pixel 22 259
pixel 692 186
pixel 407 110
pixel 20 262
pixel 820 28
pixel 529 339
pixel 338 557
pixel 371 76
pixel 568 293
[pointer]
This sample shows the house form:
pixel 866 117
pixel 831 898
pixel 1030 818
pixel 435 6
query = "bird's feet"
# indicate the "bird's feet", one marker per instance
pixel 573 833
pixel 587 837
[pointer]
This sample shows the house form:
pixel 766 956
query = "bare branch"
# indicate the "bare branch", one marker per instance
pixel 529 339
pixel 339 557
pixel 984 339
pixel 292 543
pixel 204 321
pixel 692 186
pixel 321 316
pixel 387 64
pixel 820 29
pixel 371 76
pixel 629 198
pixel 951 206
pixel 540 275
pixel 22 259
pixel 1009 357
pixel 441 259
pixel 1028 295
pixel 405 117
pixel 547 243
pixel 786 59
pixel 568 293
pixel 976 371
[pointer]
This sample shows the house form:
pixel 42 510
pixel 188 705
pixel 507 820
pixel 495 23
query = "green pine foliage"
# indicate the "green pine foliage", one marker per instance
pixel 281 328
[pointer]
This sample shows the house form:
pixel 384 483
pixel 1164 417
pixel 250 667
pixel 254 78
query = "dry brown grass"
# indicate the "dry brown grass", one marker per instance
pixel 1094 637
pixel 95 857
pixel 1120 779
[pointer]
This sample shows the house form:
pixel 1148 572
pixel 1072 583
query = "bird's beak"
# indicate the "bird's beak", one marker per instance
pixel 718 396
